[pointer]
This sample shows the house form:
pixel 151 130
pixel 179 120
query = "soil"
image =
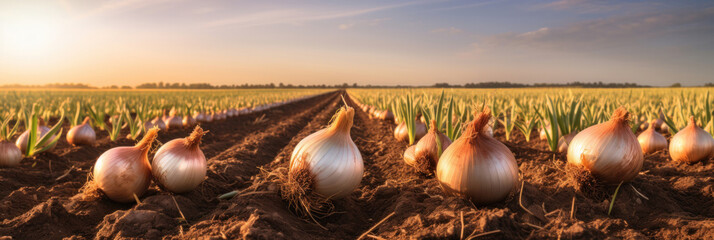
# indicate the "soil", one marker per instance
pixel 668 200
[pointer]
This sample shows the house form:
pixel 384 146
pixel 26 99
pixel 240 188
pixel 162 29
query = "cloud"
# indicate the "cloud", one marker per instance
pixel 371 22
pixel 595 6
pixel 467 6
pixel 449 30
pixel 612 31
pixel 299 16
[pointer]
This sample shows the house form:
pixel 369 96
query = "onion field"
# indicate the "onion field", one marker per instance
pixel 421 163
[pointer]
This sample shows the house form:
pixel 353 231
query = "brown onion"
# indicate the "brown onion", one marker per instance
pixel 477 166
pixel 179 165
pixel 82 134
pixel 10 155
pixel 22 140
pixel 427 151
pixel 609 150
pixel 122 172
pixel 691 144
pixel 402 133
pixel 651 141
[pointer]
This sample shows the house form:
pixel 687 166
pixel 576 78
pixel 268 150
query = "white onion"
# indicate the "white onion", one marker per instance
pixel 426 151
pixel 477 166
pixel 610 151
pixel 122 172
pixel 179 165
pixel 42 130
pixel 330 156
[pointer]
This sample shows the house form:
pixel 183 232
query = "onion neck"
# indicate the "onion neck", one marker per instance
pixel 343 120
pixel 692 122
pixel 86 120
pixel 480 121
pixel 620 116
pixel 145 143
pixel 194 140
pixel 433 127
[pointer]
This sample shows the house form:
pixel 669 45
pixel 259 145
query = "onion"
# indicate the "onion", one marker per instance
pixel 651 141
pixel 179 165
pixel 157 122
pixel 691 144
pixel 609 150
pixel 330 158
pixel 564 141
pixel 401 132
pixel 477 166
pixel 427 150
pixel 386 115
pixel 123 172
pixel 82 134
pixel 409 156
pixel 22 140
pixel 10 155
pixel 664 128
pixel 173 121
pixel 188 121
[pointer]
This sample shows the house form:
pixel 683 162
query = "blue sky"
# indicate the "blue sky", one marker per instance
pixel 367 42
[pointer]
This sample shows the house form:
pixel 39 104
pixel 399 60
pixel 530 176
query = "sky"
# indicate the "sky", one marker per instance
pixel 422 42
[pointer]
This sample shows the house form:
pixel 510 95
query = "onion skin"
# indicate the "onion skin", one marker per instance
pixel 10 155
pixel 477 166
pixel 121 172
pixel 610 151
pixel 82 134
pixel 426 150
pixel 330 156
pixel 651 141
pixel 691 144
pixel 409 156
pixel 179 165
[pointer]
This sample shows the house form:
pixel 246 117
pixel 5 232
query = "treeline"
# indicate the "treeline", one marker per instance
pixel 162 85
pixel 541 85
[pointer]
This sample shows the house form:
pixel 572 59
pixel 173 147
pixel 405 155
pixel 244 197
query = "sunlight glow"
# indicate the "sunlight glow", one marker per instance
pixel 28 36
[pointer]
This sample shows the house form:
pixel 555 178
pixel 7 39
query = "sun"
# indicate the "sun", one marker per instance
pixel 28 35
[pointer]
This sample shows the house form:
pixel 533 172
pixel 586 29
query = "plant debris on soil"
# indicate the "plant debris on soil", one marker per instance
pixel 41 199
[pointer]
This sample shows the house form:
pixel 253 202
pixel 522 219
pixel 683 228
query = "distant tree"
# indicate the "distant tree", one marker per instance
pixel 676 85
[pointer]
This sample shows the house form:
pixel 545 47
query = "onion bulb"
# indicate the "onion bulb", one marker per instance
pixel 564 141
pixel 156 122
pixel 477 166
pixel 409 156
pixel 609 150
pixel 427 151
pixel 651 141
pixel 123 172
pixel 179 165
pixel 691 144
pixel 10 155
pixel 173 121
pixel 82 134
pixel 664 128
pixel 22 140
pixel 401 132
pixel 330 158
pixel 188 121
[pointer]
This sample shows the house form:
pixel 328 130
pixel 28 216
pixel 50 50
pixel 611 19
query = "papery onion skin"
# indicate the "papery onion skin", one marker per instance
pixel 179 165
pixel 82 134
pixel 610 151
pixel 651 141
pixel 477 166
pixel 331 157
pixel 10 155
pixel 121 172
pixel 691 144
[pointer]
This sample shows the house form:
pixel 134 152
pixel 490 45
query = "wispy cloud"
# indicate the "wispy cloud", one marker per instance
pixel 449 30
pixel 612 31
pixel 467 6
pixel 371 22
pixel 299 16
pixel 120 5
pixel 596 6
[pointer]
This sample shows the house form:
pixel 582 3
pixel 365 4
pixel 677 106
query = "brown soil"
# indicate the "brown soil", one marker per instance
pixel 675 201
